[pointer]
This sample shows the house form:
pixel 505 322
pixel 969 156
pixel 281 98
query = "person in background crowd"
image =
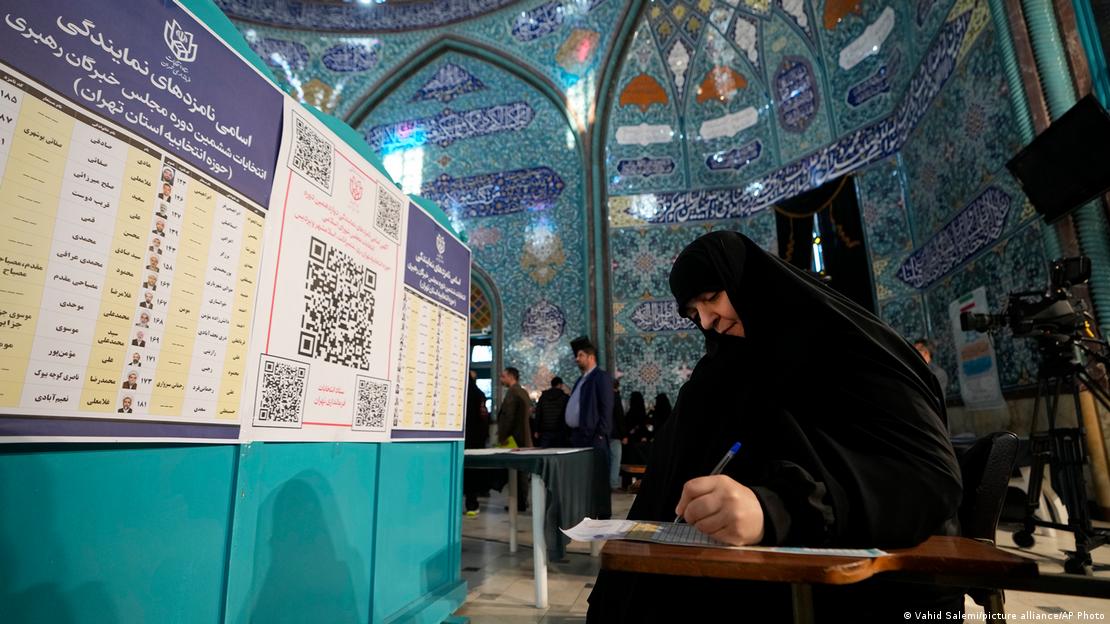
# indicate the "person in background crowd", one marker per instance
pixel 924 346
pixel 551 409
pixel 637 449
pixel 618 435
pixel 590 413
pixel 477 434
pixel 661 411
pixel 639 427
pixel 512 422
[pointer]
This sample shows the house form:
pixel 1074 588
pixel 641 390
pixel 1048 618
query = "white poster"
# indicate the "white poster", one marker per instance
pixel 976 363
pixel 430 396
pixel 326 329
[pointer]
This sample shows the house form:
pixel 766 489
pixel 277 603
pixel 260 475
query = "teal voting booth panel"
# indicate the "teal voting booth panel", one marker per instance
pixel 267 532
pixel 417 570
pixel 101 533
pixel 302 537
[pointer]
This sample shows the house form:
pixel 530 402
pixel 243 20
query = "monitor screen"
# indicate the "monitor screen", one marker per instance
pixel 1068 164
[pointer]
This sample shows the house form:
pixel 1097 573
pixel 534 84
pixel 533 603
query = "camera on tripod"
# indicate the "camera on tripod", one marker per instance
pixel 1056 314
pixel 1058 321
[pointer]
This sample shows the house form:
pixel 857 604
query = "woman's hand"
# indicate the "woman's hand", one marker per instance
pixel 723 509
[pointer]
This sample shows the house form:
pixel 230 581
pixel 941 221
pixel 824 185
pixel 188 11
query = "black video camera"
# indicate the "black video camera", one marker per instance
pixel 1055 314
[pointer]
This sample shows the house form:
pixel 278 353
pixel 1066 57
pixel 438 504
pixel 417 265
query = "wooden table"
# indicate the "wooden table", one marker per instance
pixel 948 561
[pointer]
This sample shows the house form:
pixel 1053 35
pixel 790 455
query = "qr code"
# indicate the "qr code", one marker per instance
pixel 312 155
pixel 281 392
pixel 388 217
pixel 370 404
pixel 339 308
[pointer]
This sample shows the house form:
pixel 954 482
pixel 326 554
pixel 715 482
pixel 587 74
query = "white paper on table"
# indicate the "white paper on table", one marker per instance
pixel 485 451
pixel 590 530
pixel 549 451
pixel 676 534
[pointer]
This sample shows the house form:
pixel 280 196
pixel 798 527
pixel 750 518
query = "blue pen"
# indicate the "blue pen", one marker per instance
pixel 720 466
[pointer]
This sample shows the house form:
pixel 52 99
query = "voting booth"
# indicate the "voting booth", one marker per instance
pixel 233 354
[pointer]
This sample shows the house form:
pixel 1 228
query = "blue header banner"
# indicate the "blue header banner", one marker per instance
pixel 436 264
pixel 151 67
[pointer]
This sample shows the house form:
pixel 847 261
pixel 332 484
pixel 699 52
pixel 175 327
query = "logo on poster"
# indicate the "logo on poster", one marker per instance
pixel 356 188
pixel 441 245
pixel 180 42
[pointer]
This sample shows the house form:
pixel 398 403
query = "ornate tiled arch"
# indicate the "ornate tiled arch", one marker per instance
pixel 428 54
pixel 521 213
pixel 358 17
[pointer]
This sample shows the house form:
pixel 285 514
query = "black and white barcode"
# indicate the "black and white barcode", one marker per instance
pixel 338 317
pixel 281 392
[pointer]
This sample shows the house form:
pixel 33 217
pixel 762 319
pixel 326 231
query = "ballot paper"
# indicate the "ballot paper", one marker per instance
pixel 590 530
pixel 548 451
pixel 485 451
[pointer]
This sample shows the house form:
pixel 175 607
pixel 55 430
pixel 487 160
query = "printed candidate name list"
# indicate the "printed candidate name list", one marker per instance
pixel 127 276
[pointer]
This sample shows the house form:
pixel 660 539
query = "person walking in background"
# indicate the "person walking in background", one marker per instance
pixel 477 434
pixel 512 417
pixel 512 423
pixel 551 409
pixel 618 435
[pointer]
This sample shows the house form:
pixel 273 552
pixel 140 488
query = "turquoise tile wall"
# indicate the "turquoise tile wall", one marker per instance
pixel 947 207
pixel 718 109
pixel 511 180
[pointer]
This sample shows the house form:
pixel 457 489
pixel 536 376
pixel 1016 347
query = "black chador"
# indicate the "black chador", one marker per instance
pixel 843 438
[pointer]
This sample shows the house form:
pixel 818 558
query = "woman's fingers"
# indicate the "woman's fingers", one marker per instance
pixel 702 507
pixel 722 508
pixel 713 523
pixel 693 489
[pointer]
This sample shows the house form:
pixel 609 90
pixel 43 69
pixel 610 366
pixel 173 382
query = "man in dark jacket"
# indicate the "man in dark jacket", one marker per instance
pixel 477 434
pixel 551 426
pixel 512 421
pixel 512 418
pixel 590 409
pixel 590 414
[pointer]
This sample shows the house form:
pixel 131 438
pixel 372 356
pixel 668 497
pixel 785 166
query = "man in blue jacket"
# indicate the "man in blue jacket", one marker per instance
pixel 590 409
pixel 590 418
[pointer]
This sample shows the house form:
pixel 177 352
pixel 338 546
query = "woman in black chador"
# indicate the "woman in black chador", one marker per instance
pixel 843 443
pixel 661 411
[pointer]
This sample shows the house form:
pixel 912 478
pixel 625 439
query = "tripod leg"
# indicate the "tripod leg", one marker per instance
pixel 1039 454
pixel 1024 537
pixel 1067 476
